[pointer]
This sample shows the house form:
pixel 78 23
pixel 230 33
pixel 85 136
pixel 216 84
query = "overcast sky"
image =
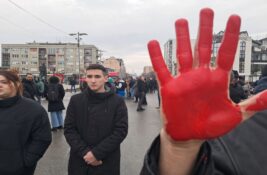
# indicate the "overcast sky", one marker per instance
pixel 121 28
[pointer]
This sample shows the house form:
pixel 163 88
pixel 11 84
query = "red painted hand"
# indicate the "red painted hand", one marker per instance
pixel 196 104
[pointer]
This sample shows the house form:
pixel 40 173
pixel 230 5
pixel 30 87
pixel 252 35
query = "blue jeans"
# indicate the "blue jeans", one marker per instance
pixel 132 92
pixel 56 119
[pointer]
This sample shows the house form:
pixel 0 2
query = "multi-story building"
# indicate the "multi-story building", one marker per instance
pixel 259 57
pixel 115 64
pixel 170 55
pixel 56 57
pixel 148 69
pixel 242 62
pixel 243 59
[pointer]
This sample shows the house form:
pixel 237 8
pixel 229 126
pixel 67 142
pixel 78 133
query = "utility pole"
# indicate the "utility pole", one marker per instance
pixel 78 34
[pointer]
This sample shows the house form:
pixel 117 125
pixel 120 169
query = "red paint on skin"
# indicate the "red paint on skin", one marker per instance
pixel 199 108
pixel 261 103
pixel 196 104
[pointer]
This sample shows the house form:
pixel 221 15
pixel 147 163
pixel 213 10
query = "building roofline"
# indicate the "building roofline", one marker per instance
pixel 46 44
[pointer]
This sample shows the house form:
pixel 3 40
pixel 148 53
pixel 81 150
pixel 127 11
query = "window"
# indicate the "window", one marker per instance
pixel 264 57
pixel 242 54
pixel 51 51
pixel 5 50
pixel 242 67
pixel 34 62
pixel 243 46
pixel 242 57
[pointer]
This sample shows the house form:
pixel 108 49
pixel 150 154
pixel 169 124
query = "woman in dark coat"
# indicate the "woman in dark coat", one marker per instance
pixel 24 128
pixel 55 95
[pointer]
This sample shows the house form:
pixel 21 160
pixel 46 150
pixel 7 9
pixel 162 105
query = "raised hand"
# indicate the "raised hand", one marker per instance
pixel 196 104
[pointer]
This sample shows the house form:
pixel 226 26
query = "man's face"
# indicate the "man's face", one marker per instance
pixel 7 89
pixel 96 80
pixel 29 77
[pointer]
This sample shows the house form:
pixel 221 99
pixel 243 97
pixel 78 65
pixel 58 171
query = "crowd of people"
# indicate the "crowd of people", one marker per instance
pixel 209 128
pixel 133 88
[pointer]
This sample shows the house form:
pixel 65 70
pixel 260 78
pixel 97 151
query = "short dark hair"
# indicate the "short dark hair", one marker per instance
pixel 97 66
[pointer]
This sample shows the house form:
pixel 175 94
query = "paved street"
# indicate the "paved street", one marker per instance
pixel 143 127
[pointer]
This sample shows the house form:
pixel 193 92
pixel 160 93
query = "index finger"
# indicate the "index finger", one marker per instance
pixel 158 63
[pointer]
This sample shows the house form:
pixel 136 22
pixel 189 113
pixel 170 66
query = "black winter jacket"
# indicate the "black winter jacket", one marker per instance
pixel 24 133
pixel 261 85
pixel 54 106
pixel 141 86
pixel 236 93
pixel 29 89
pixel 240 152
pixel 96 122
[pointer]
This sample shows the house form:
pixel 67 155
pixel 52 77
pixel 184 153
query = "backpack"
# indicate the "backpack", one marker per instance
pixel 52 93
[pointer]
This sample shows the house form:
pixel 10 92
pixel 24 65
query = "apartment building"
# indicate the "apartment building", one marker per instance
pixel 258 58
pixel 116 64
pixel 148 69
pixel 170 55
pixel 55 57
pixel 242 62
pixel 250 56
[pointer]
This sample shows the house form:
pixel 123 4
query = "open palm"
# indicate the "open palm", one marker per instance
pixel 196 103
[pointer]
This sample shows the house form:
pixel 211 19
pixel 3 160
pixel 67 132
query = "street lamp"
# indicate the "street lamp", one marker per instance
pixel 78 34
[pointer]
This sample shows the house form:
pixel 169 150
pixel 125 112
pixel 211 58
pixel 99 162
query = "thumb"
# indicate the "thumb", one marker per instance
pixel 254 104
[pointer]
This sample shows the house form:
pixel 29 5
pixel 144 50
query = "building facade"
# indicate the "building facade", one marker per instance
pixel 242 62
pixel 55 57
pixel 148 69
pixel 117 65
pixel 259 57
pixel 170 55
pixel 245 59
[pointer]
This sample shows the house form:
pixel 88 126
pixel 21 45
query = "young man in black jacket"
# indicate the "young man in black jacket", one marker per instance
pixel 96 123
pixel 29 87
pixel 24 128
pixel 204 132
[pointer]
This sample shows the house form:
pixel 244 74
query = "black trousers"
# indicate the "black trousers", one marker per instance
pixel 141 99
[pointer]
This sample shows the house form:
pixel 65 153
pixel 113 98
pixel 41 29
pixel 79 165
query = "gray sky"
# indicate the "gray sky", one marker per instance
pixel 121 28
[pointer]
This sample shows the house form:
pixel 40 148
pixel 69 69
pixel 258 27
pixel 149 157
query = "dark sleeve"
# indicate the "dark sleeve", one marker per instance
pixel 242 93
pixel 45 89
pixel 27 92
pixel 40 139
pixel 61 91
pixel 139 85
pixel 258 89
pixel 113 141
pixel 77 144
pixel 203 164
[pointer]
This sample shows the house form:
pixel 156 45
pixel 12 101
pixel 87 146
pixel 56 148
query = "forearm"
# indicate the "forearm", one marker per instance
pixel 177 158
